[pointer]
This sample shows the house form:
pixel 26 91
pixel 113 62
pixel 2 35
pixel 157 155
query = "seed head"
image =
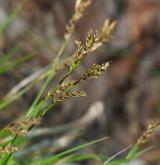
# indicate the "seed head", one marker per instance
pixel 152 127
pixel 80 7
pixel 95 71
pixel 68 95
pixel 21 127
pixel 8 149
pixel 64 86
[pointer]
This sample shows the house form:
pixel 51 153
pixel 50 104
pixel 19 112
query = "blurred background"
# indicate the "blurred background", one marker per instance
pixel 119 105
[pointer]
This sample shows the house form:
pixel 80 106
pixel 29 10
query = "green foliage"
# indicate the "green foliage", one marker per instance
pixel 7 65
pixel 12 16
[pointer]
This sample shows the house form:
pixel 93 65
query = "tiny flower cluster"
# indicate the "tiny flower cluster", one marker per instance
pixel 152 127
pixel 21 127
pixel 68 95
pixel 105 34
pixel 61 92
pixel 80 7
pixel 95 71
pixel 91 44
pixel 64 86
pixel 94 40
pixel 8 149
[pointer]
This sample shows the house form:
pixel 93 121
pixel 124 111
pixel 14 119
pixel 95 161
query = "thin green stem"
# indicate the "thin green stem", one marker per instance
pixel 49 78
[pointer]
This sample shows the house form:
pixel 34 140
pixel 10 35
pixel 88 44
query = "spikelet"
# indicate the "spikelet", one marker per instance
pixel 105 34
pixel 21 127
pixel 91 44
pixel 94 39
pixel 8 149
pixel 95 71
pixel 68 95
pixel 64 86
pixel 59 94
pixel 80 7
pixel 152 127
pixel 60 89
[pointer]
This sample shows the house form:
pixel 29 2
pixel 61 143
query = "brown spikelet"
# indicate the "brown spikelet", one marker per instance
pixel 94 39
pixel 105 34
pixel 21 127
pixel 68 95
pixel 64 86
pixel 60 89
pixel 80 7
pixel 8 149
pixel 91 44
pixel 59 94
pixel 152 127
pixel 94 72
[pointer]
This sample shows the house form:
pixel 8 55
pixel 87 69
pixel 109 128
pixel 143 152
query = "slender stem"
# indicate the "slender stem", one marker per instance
pixel 60 52
pixel 49 78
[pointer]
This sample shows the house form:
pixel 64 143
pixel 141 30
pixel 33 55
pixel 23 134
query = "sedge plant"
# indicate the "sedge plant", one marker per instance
pixel 13 137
